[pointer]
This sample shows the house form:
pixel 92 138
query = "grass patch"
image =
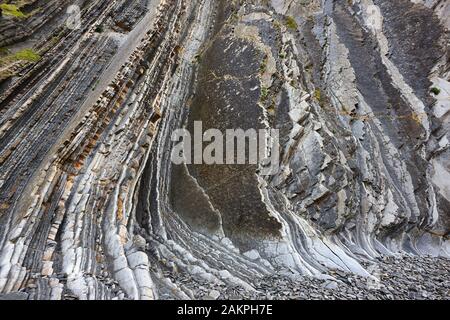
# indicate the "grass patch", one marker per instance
pixel 7 60
pixel 264 93
pixel 291 23
pixel 263 65
pixel 28 55
pixel 435 91
pixel 12 10
pixel 318 95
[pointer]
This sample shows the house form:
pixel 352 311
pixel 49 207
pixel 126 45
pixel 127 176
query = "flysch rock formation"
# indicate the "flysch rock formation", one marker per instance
pixel 92 207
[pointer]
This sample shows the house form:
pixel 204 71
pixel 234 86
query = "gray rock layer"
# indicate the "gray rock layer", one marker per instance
pixel 91 206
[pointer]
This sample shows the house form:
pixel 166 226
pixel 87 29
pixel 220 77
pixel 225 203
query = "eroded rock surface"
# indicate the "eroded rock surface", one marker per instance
pixel 92 207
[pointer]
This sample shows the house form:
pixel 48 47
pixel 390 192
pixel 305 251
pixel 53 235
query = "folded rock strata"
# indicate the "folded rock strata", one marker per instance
pixel 91 206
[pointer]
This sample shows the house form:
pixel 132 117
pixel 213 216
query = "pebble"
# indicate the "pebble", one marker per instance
pixel 214 295
pixel 396 283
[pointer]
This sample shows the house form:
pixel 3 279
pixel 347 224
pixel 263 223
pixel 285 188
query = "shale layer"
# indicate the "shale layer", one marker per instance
pixel 92 207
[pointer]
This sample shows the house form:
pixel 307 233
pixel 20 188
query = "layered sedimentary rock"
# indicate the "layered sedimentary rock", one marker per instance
pixel 92 207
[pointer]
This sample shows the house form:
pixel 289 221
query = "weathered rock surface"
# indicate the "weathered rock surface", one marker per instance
pixel 91 206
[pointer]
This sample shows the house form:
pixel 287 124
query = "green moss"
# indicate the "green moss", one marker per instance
pixel 264 93
pixel 7 60
pixel 263 66
pixel 12 10
pixel 318 94
pixel 27 55
pixel 435 91
pixel 291 23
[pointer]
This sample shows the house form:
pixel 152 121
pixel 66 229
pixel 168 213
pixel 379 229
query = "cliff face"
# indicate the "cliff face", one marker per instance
pixel 92 207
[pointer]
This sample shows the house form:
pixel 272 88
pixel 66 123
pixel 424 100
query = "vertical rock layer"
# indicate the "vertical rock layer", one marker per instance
pixel 91 206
